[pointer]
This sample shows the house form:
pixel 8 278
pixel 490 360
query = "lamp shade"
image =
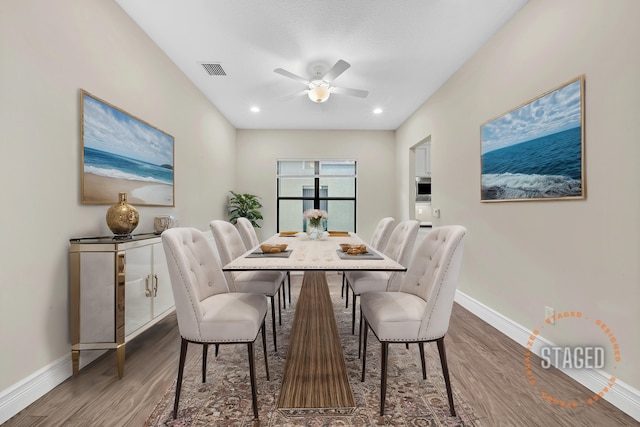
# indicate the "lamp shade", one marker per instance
pixel 319 94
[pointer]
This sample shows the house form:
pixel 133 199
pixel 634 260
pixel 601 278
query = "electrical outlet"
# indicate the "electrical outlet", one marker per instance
pixel 549 314
pixel 436 213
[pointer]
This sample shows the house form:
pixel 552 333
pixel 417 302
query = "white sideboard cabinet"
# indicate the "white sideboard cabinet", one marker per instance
pixel 118 289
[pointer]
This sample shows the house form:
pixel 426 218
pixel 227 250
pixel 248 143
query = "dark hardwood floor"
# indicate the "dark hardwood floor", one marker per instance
pixel 486 367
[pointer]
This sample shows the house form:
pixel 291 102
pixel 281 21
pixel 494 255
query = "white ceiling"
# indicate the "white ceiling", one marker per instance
pixel 400 51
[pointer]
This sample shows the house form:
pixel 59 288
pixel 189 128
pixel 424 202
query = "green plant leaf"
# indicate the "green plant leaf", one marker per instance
pixel 246 206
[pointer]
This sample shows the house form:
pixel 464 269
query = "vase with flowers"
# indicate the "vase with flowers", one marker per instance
pixel 316 220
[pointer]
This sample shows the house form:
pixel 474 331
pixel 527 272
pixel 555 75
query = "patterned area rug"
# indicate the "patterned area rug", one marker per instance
pixel 225 399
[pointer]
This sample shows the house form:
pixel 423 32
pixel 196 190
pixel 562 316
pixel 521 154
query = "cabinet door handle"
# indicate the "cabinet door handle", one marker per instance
pixel 147 291
pixel 155 285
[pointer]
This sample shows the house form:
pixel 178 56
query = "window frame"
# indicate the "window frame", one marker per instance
pixel 317 198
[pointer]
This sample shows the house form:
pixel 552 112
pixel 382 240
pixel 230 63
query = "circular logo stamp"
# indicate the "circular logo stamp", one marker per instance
pixel 571 357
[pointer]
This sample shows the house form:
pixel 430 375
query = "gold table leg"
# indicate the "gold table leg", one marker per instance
pixel 75 361
pixel 120 354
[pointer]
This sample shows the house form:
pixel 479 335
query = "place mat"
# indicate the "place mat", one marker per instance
pixel 288 233
pixel 368 255
pixel 339 233
pixel 259 254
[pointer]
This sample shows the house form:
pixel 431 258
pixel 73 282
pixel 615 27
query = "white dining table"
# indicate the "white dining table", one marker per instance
pixel 304 254
pixel 315 376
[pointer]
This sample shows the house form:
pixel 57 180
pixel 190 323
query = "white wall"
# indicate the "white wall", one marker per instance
pixel 374 151
pixel 48 51
pixel 570 255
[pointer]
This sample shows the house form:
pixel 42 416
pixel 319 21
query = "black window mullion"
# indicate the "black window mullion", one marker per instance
pixel 316 185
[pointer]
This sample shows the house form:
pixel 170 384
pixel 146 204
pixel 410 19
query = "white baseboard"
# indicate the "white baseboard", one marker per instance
pixel 25 392
pixel 622 395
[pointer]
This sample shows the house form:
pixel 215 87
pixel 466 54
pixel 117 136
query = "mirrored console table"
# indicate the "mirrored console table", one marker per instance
pixel 118 289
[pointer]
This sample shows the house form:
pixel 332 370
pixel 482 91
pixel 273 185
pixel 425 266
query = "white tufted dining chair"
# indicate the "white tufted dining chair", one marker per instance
pixel 250 239
pixel 398 248
pixel 207 312
pixel 420 311
pixel 247 232
pixel 230 246
pixel 382 233
pixel 378 242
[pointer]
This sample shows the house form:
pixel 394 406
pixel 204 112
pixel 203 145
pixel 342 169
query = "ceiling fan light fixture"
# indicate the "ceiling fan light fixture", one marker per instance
pixel 319 94
pixel 320 89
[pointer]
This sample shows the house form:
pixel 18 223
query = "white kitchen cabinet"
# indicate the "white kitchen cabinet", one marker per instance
pixel 423 160
pixel 119 288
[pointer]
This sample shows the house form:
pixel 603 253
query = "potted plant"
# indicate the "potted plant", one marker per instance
pixel 244 205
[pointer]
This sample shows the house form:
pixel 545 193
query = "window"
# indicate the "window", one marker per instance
pixel 329 185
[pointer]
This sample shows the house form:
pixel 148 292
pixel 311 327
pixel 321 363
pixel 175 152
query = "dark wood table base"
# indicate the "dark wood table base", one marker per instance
pixel 315 373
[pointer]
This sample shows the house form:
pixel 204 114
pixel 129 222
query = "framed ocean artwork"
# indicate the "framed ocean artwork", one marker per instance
pixel 536 150
pixel 123 154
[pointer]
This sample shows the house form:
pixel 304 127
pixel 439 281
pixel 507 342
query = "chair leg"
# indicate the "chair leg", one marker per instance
pixel 217 349
pixel 424 365
pixel 383 375
pixel 273 322
pixel 445 373
pixel 365 332
pixel 343 283
pixel 264 348
pixel 183 355
pixel 346 295
pixel 289 284
pixel 360 336
pixel 284 296
pixel 252 376
pixel 353 314
pixel 280 307
pixel 205 350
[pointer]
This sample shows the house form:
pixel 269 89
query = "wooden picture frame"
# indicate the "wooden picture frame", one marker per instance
pixel 536 150
pixel 124 154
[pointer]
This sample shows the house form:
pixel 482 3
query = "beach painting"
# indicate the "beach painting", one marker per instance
pixel 123 154
pixel 536 151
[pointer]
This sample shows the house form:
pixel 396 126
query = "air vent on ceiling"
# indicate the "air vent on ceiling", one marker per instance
pixel 214 69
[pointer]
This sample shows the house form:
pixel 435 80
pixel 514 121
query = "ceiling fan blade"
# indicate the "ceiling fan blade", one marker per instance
pixel 291 75
pixel 351 92
pixel 339 68
pixel 295 95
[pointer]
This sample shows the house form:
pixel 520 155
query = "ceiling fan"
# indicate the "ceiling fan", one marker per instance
pixel 319 88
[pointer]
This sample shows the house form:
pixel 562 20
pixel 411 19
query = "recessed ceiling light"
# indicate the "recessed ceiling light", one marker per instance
pixel 255 109
pixel 377 111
